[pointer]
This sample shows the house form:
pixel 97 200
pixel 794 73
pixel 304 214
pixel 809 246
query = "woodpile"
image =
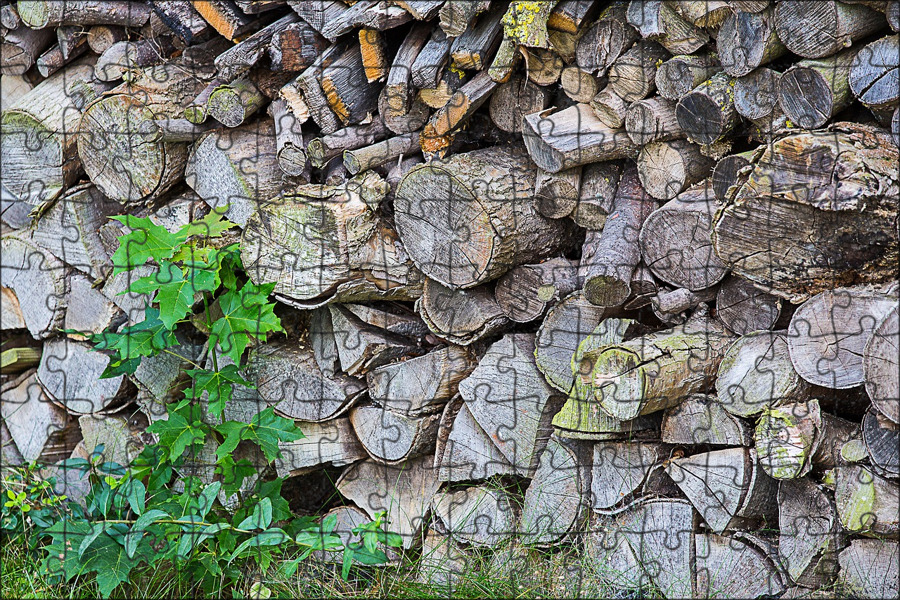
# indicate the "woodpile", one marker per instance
pixel 614 274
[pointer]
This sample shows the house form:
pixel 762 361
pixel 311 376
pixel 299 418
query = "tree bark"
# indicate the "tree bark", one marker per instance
pixel 39 15
pixel 322 149
pixel 656 20
pixel 605 40
pixel 21 47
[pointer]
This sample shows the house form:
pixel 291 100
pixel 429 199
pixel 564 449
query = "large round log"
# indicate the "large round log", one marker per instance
pixel 745 308
pixel 795 229
pixel 881 364
pixel 471 218
pixel 813 91
pixel 747 40
pixel 480 515
pixel 814 30
pixel 875 73
pixel 70 375
pixel 676 77
pixel 34 286
pixel 668 168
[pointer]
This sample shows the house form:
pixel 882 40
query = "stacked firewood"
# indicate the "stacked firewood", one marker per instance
pixel 619 274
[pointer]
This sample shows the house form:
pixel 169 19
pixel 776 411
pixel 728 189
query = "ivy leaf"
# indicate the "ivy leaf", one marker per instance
pixel 246 314
pixel 218 384
pixel 177 433
pixel 111 563
pixel 135 493
pixel 266 429
pixel 212 225
pixel 146 338
pixel 146 240
pixel 175 289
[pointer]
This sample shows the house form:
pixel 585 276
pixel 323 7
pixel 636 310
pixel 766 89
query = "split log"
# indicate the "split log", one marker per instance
pixel 559 336
pixel 609 108
pixel 289 378
pixel 512 100
pixel 828 334
pixel 436 135
pixel 527 292
pixel 34 288
pixel 182 18
pixel 120 435
pixel 362 347
pixel 460 316
pixel 792 438
pixel 122 58
pixel 88 310
pixel 35 173
pixel 478 515
pixel 708 14
pixel 652 120
pixel 472 48
pixel 21 48
pixel 612 558
pixel 225 17
pixel 675 241
pixel 676 77
pixel 752 6
pixel 365 14
pixel 668 168
pixel 295 47
pixel 605 40
pixel 236 168
pixel 810 532
pixel 557 502
pixel 307 88
pixel 60 55
pixel 620 469
pixel 748 40
pixel 578 85
pixel 423 384
pixel 644 288
pixel 867 504
pixel 725 172
pixel 510 231
pixel 289 144
pixel 633 75
pixel 734 568
pixel 429 64
pixel 757 234
pixel 656 20
pixel 882 438
pixel 404 491
pixel 822 29
pixel 659 370
pixel 599 182
pixel 391 318
pixel 442 562
pixel 348 93
pixel 369 157
pixel 234 103
pixel 322 149
pixel 756 373
pixel 457 15
pixel 869 568
pixel 507 387
pixel 162 379
pixel 325 443
pixel 465 452
pixel 744 308
pixel 875 73
pixel 702 420
pixel 880 365
pixel 449 81
pixel 37 426
pixel 39 15
pixel 111 134
pixel 400 109
pixel 727 487
pixel 16 360
pixel 707 113
pixel 813 91
pixel 672 306
pixel 173 130
pixel 70 375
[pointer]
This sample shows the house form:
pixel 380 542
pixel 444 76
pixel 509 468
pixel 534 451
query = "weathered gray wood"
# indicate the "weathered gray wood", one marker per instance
pixel 460 316
pixel 429 64
pixel 235 102
pixel 497 398
pixel 70 375
pixel 744 308
pixel 731 568
pixel 609 108
pixel 656 20
pixel 181 18
pixel 296 47
pixel 605 40
pixel 671 306
pixel 443 562
pixel 330 442
pixel 619 470
pixel 403 491
pixel 758 232
pixel 668 168
pixel 869 568
pixel 291 151
pixel 708 14
pixel 39 15
pixel 707 113
pixel 652 120
pixel 126 56
pixel 579 85
pixel 756 98
pixel 324 148
pixel 748 40
pixel 36 425
pixel 428 222
pixel 702 420
pixel 599 182
pixel 555 194
pixel 60 55
pixel 882 438
pixel 120 435
pixel 512 100
pixel 437 134
pixel 875 73
pixel 367 13
pixel 823 28
pixel 724 174
pixel 810 532
pixel 457 15
pixel 880 365
pixel 478 515
pixel 362 347
pixel 867 504
pixel 380 153
pixel 391 437
pixel 813 91
pixel 35 287
pixel 307 88
pixel 526 292
pixel 676 77
pixel 472 48
pixel 612 558
pixel 610 257
pixel 464 450
pixel 88 310
pixel 633 75
pixel 398 105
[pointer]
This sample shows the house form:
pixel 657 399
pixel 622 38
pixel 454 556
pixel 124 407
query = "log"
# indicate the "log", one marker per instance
pixel 756 373
pixel 236 170
pixel 880 365
pixel 882 437
pixel 609 108
pixel 520 396
pixel 289 144
pixel 725 172
pixel 579 85
pixel 464 262
pixel 460 316
pixel 449 81
pixel 656 20
pixel 392 318
pixel 39 15
pixel 732 567
pixel 557 502
pixel 678 76
pixel 70 375
pixel 181 18
pixel 233 103
pixel 295 47
pixel 21 48
pixel 60 55
pixel 16 360
pixel 644 288
pixel 825 28
pixel 828 334
pixel 465 452
pixel 707 114
pixel 456 15
pixel 792 438
pixel 225 17
pixel 702 420
pixel 573 137
pixel 35 173
pixel 436 135
pixel 599 182
pixel 369 157
pixel 122 58
pixel 362 347
pixel 423 384
pixel 512 100
pixel 768 210
pixel 813 91
pixel 652 120
pixel 744 308
pixel 567 324
pixel 706 14
pixel 322 149
pixel 348 93
pixel 120 435
pixel 660 370
pixel 867 504
pixel 478 515
pixel 428 65
pixel 619 470
pixel 633 75
pixel 810 532
pixel 88 310
pixel 555 194
pixel 37 426
pixel 675 241
pixel 288 378
pixel 398 105
pixel 330 442
pixel 403 491
pixel 748 40
pixel 162 379
pixel 34 288
pixel 727 487
pixel 666 169
pixel 756 98
pixel 671 306
pixel 365 14
pixel 869 568
pixel 605 40
pixel 473 47
pixel 614 563
pixel 527 292
pixel 307 88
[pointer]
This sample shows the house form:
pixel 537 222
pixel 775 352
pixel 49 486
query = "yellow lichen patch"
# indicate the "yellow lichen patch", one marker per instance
pixel 526 22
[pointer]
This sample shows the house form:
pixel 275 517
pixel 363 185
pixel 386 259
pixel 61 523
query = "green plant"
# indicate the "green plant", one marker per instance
pixel 137 515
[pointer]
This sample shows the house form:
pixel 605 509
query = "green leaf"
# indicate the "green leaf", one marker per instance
pixel 246 314
pixel 191 540
pixel 207 497
pixel 176 433
pixel 175 289
pixel 270 537
pixel 260 518
pixel 145 241
pixel 148 518
pixel 266 429
pixel 96 530
pixel 219 385
pixel 136 494
pixel 212 225
pixel 111 563
pixel 149 337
